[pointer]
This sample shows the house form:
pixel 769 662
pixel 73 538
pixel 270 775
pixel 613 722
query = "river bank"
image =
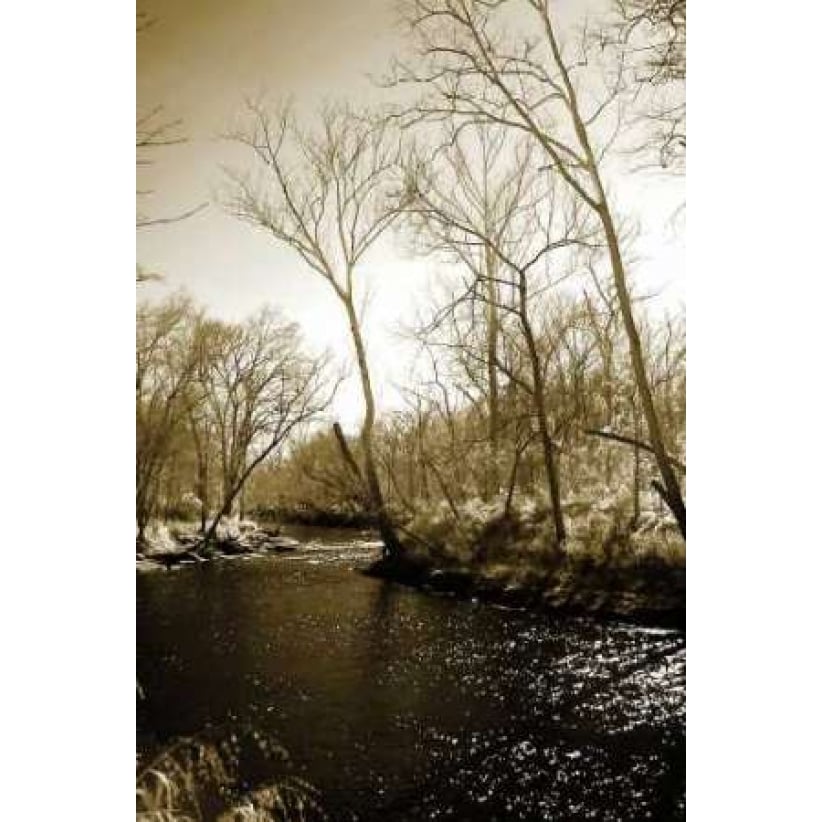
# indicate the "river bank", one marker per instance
pixel 169 545
pixel 609 566
pixel 633 577
pixel 649 593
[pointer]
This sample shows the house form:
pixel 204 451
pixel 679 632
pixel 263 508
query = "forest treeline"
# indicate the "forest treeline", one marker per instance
pixel 543 379
pixel 213 396
pixel 214 400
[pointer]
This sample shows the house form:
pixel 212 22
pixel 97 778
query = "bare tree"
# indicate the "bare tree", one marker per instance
pixel 261 387
pixel 470 72
pixel 247 365
pixel 329 195
pixel 530 222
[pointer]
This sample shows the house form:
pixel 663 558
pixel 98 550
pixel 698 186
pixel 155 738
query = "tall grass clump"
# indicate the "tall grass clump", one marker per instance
pixel 201 779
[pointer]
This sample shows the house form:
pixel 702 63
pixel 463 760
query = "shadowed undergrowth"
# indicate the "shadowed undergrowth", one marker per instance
pixel 611 563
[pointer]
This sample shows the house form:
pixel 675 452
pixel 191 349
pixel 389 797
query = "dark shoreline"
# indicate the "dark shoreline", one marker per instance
pixel 652 595
pixel 355 520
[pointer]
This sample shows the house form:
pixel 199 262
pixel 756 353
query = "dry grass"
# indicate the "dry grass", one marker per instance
pixel 198 779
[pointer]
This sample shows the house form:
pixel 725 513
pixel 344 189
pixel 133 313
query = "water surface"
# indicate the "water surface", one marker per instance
pixel 399 705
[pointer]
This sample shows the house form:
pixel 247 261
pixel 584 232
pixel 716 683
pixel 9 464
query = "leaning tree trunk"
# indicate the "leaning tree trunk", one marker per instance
pixel 372 482
pixel 672 492
pixel 669 489
pixel 235 489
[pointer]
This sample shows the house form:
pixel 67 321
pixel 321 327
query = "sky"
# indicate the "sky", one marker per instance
pixel 199 60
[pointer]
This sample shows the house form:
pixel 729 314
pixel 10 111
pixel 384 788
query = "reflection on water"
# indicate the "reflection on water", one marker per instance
pixel 400 705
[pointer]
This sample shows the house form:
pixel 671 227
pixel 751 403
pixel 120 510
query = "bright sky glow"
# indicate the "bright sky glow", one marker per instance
pixel 199 60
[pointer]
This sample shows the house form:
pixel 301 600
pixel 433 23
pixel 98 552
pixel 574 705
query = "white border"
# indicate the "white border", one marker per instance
pixel 67 344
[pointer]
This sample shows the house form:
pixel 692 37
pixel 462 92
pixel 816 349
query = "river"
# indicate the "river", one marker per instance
pixel 400 705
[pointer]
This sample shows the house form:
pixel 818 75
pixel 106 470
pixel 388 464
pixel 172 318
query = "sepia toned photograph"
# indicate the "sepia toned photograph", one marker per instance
pixel 410 410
